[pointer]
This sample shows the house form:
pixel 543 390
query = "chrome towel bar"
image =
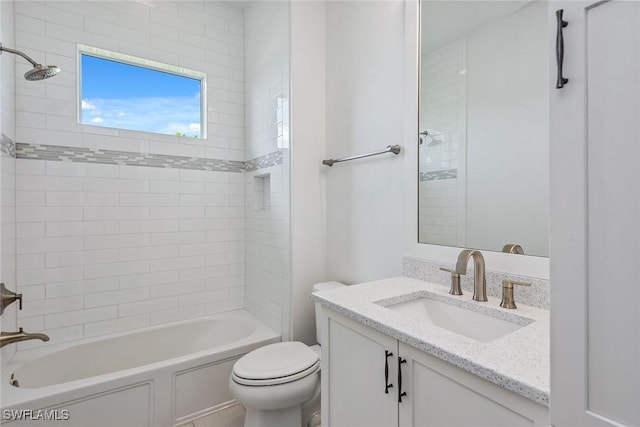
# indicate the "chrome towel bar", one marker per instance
pixel 395 149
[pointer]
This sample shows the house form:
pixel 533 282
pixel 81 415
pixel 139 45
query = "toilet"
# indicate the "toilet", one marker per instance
pixel 279 384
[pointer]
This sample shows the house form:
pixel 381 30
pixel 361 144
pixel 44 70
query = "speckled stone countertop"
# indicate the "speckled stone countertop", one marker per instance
pixel 518 361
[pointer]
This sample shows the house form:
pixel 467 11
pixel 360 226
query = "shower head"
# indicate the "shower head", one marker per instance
pixel 39 71
pixel 425 134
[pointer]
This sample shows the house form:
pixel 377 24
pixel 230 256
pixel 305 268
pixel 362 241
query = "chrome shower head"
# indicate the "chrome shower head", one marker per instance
pixel 39 71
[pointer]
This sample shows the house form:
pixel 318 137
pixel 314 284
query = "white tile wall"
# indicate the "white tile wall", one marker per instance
pixel 104 248
pixel 266 46
pixel 188 34
pixel 266 112
pixel 8 238
pixel 7 171
pixel 442 114
pixel 438 212
pixel 441 97
pixel 112 255
pixel 266 251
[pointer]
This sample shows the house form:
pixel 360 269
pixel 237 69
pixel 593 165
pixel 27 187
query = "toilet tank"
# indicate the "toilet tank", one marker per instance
pixel 323 286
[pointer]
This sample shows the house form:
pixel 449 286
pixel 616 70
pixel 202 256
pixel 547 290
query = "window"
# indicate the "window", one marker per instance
pixel 125 92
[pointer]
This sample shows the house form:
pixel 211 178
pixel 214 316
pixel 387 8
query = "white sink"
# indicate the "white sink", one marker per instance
pixel 471 324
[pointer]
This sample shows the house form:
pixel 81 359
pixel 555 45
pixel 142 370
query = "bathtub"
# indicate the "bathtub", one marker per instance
pixel 161 376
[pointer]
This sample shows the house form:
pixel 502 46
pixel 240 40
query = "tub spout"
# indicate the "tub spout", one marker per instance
pixel 13 337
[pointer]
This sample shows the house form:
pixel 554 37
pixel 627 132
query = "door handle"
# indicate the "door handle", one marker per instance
pixel 561 81
pixel 387 386
pixel 401 393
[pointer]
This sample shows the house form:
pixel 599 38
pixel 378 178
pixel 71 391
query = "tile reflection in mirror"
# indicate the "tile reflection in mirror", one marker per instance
pixel 483 125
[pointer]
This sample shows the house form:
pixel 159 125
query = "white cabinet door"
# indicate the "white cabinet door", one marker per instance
pixel 353 388
pixel 595 217
pixel 439 394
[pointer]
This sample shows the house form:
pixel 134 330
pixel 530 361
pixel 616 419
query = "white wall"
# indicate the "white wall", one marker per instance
pixel 104 248
pixel 266 37
pixel 8 321
pixel 507 169
pixel 365 81
pixel 308 130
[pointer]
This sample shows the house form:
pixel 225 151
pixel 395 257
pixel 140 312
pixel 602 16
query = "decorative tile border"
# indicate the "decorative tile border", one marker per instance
pixel 8 147
pixel 111 157
pixel 537 295
pixel 265 161
pixel 438 175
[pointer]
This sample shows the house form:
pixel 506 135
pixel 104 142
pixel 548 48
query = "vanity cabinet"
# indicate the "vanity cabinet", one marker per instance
pixel 353 376
pixel 440 394
pixel 595 216
pixel 356 364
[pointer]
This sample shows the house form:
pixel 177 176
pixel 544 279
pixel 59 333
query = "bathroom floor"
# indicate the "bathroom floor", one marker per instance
pixel 230 417
pixel 234 417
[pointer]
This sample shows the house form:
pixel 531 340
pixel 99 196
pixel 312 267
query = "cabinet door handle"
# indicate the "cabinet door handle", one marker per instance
pixel 387 386
pixel 400 392
pixel 560 48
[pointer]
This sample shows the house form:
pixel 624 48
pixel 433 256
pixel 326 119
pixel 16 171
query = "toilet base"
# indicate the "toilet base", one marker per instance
pixel 287 417
pixel 311 410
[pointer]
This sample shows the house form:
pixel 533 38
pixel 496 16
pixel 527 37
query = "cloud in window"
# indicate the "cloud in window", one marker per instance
pixel 177 115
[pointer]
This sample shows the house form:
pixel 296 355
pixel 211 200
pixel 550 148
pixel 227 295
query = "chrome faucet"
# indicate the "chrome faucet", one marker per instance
pixel 12 337
pixel 479 278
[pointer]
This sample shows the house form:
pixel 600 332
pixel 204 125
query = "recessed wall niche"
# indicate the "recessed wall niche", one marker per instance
pixel 262 192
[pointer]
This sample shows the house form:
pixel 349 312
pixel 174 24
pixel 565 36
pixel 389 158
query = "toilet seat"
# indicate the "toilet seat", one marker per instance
pixel 275 364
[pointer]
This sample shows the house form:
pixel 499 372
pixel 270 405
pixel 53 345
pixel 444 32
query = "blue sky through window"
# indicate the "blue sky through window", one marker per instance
pixel 119 95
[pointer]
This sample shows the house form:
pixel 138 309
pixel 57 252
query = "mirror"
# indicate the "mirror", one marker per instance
pixel 483 125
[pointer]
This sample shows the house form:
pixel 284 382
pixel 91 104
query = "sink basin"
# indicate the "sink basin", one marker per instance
pixel 471 324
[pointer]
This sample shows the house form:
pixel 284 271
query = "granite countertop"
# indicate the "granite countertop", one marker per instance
pixel 518 361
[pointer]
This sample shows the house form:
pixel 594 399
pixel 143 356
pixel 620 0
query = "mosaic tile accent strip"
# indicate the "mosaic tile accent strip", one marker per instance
pixel 7 145
pixel 268 160
pixel 111 157
pixel 58 153
pixel 537 295
pixel 438 175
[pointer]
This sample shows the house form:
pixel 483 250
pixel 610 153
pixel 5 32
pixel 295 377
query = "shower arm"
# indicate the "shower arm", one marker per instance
pixel 17 52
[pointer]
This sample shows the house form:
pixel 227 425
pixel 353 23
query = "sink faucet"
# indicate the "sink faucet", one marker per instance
pixel 479 279
pixel 12 337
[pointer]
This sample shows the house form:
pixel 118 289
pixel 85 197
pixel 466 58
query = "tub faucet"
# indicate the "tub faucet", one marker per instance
pixel 12 337
pixel 479 278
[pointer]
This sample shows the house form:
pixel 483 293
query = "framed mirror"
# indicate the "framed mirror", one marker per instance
pixel 483 125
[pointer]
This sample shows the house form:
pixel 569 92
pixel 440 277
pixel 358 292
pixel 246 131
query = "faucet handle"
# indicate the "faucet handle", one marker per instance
pixel 7 297
pixel 508 300
pixel 455 281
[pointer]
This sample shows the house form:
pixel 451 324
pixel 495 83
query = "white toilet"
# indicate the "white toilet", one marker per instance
pixel 279 382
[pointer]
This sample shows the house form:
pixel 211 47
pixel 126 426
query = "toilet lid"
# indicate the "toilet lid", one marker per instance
pixel 276 364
